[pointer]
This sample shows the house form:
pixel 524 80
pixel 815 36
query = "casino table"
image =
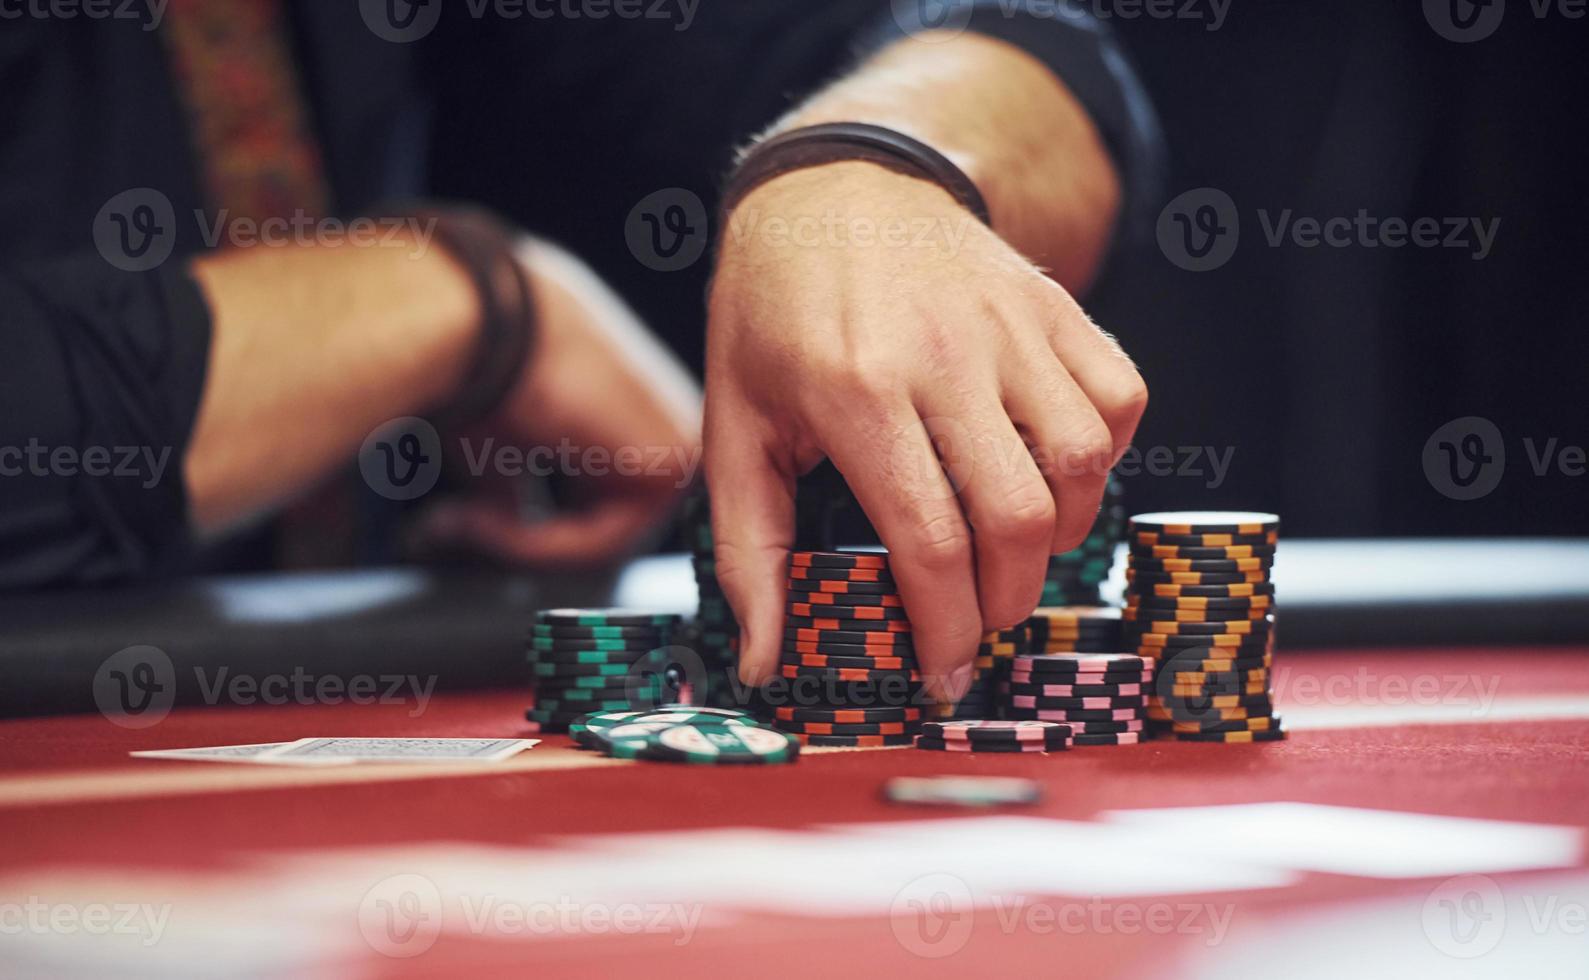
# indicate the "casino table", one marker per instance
pixel 1428 814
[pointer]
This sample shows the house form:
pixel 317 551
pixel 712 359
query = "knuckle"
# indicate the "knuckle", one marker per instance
pixel 941 544
pixel 1088 450
pixel 1127 396
pixel 1026 514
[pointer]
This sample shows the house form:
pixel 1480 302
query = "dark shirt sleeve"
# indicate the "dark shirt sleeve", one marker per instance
pixel 1084 54
pixel 98 396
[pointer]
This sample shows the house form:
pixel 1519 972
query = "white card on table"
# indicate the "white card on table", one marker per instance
pixel 404 749
pixel 258 753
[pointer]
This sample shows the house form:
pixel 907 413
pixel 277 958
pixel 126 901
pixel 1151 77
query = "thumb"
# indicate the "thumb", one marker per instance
pixel 753 518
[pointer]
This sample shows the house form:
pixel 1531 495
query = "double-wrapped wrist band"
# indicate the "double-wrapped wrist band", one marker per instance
pixel 484 248
pixel 814 146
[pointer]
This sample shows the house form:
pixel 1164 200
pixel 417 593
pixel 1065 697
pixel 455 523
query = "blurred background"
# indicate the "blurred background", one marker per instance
pixel 1331 381
pixel 1324 372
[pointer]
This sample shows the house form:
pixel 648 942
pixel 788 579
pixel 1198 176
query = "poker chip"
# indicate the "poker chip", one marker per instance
pixel 1228 565
pixel 597 632
pixel 847 649
pixel 1204 659
pixel 799 587
pixel 847 675
pixel 1141 537
pixel 1020 700
pixel 854 741
pixel 1218 704
pixel 589 681
pixel 1082 663
pixel 893 631
pixel 852 663
pixel 811 573
pixel 1135 601
pixel 1272 735
pixel 587 729
pixel 1150 633
pixel 1241 635
pixel 1135 577
pixel 847 716
pixel 1204 522
pixel 589 643
pixel 816 610
pixel 956 745
pixel 1154 620
pixel 1022 707
pixel 580 670
pixel 720 745
pixel 1111 738
pixel 1171 670
pixel 997 731
pixel 824 728
pixel 838 559
pixel 1047 677
pixel 1257 723
pixel 1194 553
pixel 606 617
pixel 878 638
pixel 962 791
pixel 1236 591
pixel 1022 685
pixel 886 600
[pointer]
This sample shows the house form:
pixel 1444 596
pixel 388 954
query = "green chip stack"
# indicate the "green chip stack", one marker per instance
pixel 586 660
pixel 1076 577
pixel 715 633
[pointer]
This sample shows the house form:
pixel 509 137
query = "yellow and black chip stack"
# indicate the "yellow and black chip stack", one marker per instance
pixel 1200 604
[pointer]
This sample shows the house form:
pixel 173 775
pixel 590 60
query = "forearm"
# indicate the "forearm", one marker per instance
pixel 312 349
pixel 1003 118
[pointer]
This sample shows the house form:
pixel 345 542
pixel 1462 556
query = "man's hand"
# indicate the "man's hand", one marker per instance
pixel 599 385
pixel 967 399
pixel 315 348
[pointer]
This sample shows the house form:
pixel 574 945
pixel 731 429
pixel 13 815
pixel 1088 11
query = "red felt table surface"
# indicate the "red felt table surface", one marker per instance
pixel 81 818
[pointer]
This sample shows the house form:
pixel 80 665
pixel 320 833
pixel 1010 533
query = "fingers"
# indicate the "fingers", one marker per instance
pixel 885 454
pixel 1098 365
pixel 1071 441
pixel 753 518
pixel 1009 507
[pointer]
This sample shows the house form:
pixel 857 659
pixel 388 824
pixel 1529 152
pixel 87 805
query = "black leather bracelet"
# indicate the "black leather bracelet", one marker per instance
pixel 484 248
pixel 813 146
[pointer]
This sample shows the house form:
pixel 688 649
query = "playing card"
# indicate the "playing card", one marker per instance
pixel 404 749
pixel 253 753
